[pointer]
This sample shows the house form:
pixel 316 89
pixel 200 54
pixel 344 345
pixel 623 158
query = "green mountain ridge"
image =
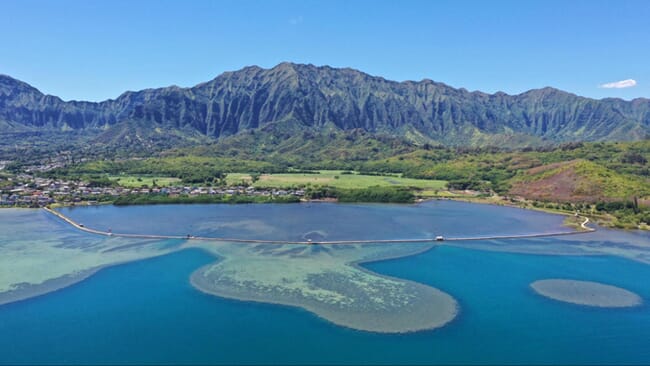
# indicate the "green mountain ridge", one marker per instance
pixel 300 97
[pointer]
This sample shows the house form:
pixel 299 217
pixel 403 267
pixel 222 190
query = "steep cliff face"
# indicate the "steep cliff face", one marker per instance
pixel 22 104
pixel 323 97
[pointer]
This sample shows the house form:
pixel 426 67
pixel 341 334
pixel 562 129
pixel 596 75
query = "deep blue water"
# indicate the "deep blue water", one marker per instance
pixel 147 312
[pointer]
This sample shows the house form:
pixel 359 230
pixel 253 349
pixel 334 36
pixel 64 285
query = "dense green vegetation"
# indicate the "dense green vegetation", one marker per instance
pixel 370 194
pixel 376 194
pixel 628 214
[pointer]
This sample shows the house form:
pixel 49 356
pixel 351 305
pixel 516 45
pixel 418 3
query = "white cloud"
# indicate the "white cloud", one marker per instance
pixel 628 83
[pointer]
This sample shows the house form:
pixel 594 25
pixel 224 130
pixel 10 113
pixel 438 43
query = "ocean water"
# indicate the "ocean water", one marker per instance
pixel 146 311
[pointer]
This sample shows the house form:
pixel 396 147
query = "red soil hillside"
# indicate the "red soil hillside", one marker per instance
pixel 577 181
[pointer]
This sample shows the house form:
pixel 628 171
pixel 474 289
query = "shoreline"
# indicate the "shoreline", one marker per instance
pixel 501 201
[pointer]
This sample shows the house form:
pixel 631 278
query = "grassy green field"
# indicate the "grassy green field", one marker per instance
pixel 334 178
pixel 133 181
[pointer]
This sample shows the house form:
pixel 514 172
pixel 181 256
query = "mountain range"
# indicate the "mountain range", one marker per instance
pixel 298 97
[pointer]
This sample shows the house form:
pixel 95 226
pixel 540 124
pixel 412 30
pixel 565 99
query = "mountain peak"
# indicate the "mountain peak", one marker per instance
pixel 9 85
pixel 548 91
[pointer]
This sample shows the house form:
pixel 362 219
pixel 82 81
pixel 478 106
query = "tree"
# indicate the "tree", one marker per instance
pixel 632 157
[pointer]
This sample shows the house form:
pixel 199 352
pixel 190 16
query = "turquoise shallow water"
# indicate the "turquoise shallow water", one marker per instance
pixel 147 312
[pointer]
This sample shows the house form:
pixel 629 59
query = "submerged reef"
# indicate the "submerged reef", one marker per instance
pixel 41 254
pixel 586 293
pixel 327 281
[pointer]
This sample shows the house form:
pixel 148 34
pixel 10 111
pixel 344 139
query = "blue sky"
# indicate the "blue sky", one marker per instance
pixel 95 50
